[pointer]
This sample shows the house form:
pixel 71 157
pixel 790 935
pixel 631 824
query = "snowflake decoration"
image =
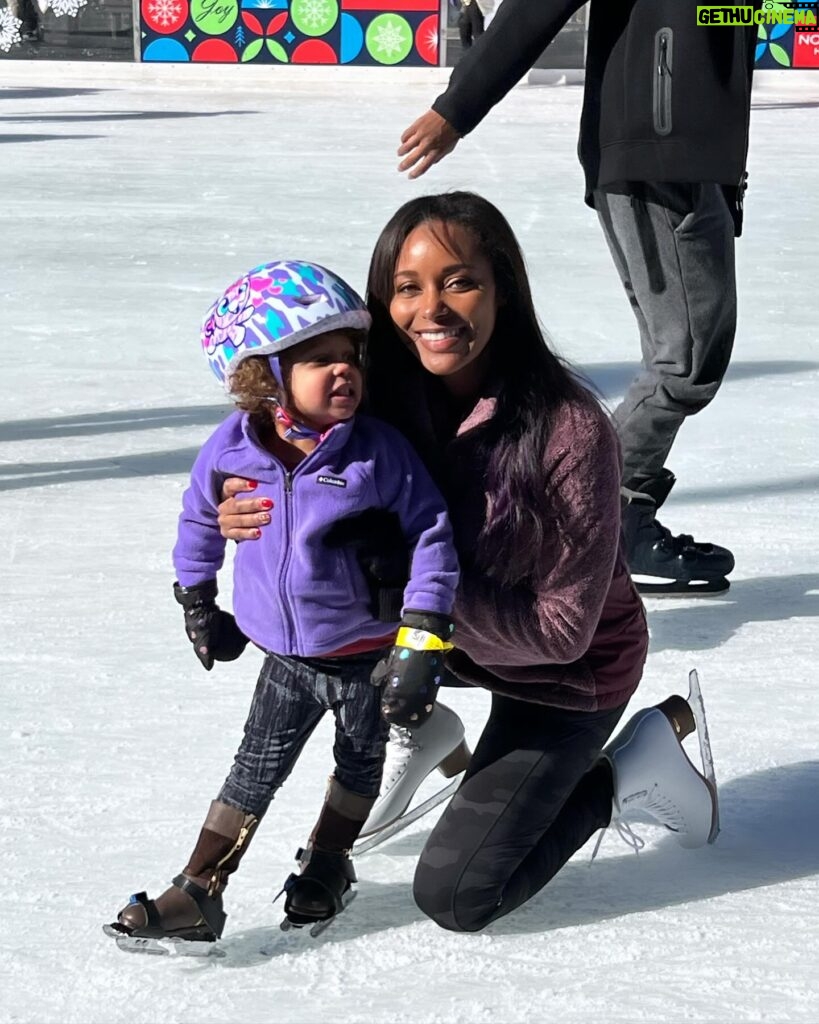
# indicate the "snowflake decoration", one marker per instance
pixel 316 13
pixel 778 52
pixel 9 30
pixel 69 7
pixel 389 39
pixel 165 12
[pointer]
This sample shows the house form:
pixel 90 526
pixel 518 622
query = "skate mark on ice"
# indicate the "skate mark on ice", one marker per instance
pixel 112 422
pixel 11 138
pixel 41 474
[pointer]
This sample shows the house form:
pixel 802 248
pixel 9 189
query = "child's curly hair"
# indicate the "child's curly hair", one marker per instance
pixel 252 386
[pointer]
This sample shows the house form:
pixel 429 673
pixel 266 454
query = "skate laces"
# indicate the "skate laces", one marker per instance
pixel 626 833
pixel 665 810
pixel 400 749
pixel 659 806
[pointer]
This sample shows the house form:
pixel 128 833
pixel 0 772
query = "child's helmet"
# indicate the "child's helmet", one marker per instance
pixel 274 307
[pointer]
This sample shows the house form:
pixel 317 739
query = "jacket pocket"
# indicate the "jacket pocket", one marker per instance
pixel 663 75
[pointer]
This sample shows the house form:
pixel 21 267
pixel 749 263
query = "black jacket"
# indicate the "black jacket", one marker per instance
pixel 665 99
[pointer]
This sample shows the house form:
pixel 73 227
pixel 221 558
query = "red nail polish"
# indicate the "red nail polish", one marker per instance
pixel 252 485
pixel 266 503
pixel 257 534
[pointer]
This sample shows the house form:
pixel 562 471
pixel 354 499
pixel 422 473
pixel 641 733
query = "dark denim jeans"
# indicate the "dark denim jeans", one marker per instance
pixel 291 696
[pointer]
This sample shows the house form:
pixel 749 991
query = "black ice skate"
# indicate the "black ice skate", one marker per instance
pixel 674 565
pixel 323 889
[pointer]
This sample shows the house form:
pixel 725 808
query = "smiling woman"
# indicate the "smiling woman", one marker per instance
pixel 546 615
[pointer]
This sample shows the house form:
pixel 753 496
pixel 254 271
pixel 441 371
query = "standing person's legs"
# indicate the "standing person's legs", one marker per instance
pixel 674 252
pixel 465 26
pixel 533 794
pixel 476 18
pixel 28 14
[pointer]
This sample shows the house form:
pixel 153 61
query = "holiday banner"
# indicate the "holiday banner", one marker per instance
pixel 354 32
pixel 787 46
pixel 792 42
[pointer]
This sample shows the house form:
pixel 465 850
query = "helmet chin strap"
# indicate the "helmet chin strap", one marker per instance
pixel 294 430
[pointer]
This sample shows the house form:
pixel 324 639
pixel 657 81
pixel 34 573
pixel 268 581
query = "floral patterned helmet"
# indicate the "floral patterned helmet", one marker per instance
pixel 274 307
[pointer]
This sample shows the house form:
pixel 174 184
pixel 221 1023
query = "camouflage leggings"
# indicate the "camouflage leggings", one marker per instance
pixel 532 796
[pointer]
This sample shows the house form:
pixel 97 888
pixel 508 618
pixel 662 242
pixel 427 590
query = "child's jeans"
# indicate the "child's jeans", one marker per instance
pixel 291 696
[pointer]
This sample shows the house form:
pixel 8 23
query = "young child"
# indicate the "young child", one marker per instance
pixel 287 341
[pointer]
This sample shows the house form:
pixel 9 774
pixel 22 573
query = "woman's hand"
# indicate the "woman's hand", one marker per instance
pixel 242 518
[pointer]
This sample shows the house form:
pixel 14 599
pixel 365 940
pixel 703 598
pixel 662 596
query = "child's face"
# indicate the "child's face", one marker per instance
pixel 323 379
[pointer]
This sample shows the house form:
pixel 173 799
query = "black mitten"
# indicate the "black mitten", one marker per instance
pixel 382 552
pixel 412 671
pixel 213 633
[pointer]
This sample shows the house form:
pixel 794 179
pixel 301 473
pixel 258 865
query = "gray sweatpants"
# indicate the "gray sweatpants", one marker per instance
pixel 673 246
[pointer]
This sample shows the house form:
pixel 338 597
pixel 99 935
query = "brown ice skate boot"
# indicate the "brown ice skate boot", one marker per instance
pixel 190 911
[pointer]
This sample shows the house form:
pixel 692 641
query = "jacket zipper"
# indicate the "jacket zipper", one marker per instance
pixel 663 63
pixel 287 618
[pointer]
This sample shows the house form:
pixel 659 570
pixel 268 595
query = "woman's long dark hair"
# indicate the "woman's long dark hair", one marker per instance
pixel 530 381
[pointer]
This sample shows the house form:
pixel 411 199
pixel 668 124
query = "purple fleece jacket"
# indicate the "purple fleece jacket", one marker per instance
pixel 575 635
pixel 292 594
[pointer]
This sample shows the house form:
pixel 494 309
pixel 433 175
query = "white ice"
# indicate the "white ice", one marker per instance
pixel 126 206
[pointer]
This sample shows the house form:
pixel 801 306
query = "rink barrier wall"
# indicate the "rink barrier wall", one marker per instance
pixel 239 76
pixel 248 78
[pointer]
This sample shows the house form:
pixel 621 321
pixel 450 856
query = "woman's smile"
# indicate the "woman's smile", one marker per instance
pixel 442 339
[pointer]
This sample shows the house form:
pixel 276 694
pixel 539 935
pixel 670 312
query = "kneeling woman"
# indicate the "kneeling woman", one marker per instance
pixel 547 617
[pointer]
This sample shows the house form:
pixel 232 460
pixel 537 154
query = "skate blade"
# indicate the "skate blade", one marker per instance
pixel 697 703
pixel 170 946
pixel 649 587
pixel 405 820
pixel 319 926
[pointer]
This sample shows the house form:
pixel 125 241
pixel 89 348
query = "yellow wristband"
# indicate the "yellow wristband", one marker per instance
pixel 420 640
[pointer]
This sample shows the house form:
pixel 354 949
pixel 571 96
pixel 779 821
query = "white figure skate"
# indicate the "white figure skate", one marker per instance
pixel 412 754
pixel 655 781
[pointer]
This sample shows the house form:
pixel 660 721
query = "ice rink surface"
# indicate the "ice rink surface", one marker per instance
pixel 125 209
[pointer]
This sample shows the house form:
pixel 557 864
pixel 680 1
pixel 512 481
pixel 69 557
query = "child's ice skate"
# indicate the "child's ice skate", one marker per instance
pixel 655 781
pixel 188 918
pixel 184 920
pixel 320 892
pixel 324 887
pixel 412 754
